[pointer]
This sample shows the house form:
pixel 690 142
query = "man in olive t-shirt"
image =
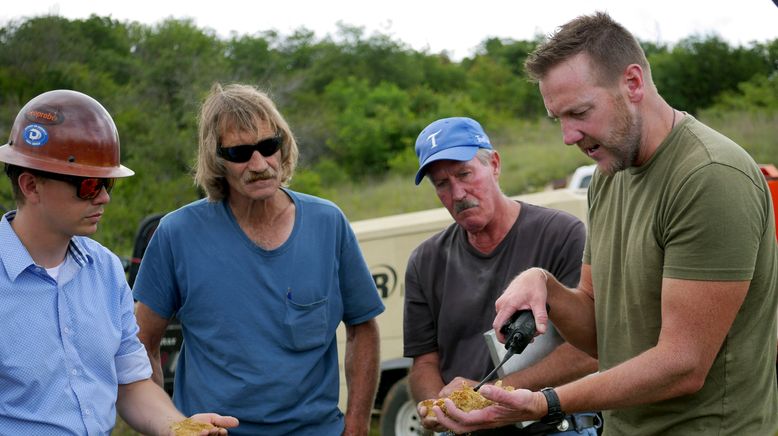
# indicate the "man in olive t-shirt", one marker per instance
pixel 685 209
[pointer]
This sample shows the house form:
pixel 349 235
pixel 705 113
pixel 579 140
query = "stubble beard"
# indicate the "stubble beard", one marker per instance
pixel 624 144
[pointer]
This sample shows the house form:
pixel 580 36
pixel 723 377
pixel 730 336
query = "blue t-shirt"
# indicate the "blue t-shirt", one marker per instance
pixel 65 344
pixel 259 325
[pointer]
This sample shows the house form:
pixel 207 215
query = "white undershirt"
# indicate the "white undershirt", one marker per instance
pixel 54 271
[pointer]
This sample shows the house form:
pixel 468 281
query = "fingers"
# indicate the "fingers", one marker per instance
pixel 503 315
pixel 461 422
pixel 421 410
pixel 220 422
pixel 499 395
pixel 448 422
pixel 430 422
pixel 527 291
pixel 454 385
pixel 541 316
pixel 225 421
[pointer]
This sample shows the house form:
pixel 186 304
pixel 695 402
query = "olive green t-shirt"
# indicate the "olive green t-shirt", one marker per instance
pixel 699 209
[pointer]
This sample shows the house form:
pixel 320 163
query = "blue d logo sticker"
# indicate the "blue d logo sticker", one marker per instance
pixel 35 135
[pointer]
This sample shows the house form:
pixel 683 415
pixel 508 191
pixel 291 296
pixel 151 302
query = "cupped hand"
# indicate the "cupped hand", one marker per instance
pixel 509 407
pixel 429 418
pixel 219 423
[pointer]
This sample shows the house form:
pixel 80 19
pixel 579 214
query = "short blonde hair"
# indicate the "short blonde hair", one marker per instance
pixel 609 46
pixel 242 108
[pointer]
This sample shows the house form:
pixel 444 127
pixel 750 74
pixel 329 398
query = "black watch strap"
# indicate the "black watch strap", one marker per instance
pixel 555 414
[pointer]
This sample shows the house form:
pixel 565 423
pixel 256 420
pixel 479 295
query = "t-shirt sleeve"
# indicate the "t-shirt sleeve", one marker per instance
pixel 361 301
pixel 567 264
pixel 419 332
pixel 704 232
pixel 155 285
pixel 587 255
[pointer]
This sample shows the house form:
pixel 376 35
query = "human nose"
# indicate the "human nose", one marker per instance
pixel 570 132
pixel 457 191
pixel 257 161
pixel 103 197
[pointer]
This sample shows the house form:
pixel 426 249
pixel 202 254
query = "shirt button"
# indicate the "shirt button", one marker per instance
pixel 87 411
pixel 66 330
pixel 74 371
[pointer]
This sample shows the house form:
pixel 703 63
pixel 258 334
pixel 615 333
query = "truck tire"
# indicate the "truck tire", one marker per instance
pixel 398 414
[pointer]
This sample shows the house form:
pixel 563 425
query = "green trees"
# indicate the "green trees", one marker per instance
pixel 694 72
pixel 356 102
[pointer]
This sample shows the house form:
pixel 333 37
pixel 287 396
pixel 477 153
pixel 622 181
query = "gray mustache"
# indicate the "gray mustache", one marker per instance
pixel 465 204
pixel 264 175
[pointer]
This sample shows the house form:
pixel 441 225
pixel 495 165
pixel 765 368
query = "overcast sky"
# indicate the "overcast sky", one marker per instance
pixel 434 25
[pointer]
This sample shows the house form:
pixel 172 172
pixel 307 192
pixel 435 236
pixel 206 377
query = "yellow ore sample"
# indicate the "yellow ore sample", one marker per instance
pixel 465 398
pixel 188 427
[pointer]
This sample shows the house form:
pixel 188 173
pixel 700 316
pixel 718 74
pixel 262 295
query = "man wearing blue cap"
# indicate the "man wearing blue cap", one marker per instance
pixel 454 278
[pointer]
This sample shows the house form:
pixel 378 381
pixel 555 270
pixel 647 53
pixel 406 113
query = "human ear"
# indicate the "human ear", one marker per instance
pixel 634 82
pixel 495 163
pixel 29 185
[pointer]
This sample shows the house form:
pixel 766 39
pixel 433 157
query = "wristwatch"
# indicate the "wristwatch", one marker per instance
pixel 555 414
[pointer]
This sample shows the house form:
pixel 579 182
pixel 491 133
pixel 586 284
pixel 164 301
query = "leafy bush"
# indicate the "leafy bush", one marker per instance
pixel 356 103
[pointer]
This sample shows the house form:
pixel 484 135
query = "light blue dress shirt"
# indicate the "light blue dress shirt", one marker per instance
pixel 65 344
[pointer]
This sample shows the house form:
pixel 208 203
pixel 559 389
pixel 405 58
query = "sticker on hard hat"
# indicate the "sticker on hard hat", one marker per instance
pixel 44 114
pixel 35 135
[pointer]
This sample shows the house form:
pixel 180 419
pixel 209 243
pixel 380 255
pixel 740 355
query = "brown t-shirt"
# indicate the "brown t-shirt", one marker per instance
pixel 450 288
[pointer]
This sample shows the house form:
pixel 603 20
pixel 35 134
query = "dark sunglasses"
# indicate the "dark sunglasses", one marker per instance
pixel 87 188
pixel 242 153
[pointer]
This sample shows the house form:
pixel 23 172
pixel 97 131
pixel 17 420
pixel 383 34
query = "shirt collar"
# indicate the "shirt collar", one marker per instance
pixel 79 252
pixel 15 256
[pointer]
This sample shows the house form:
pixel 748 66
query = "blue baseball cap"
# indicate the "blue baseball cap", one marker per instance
pixel 457 138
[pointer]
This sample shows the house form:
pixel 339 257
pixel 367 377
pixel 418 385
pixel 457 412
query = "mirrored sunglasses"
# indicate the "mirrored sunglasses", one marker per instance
pixel 242 153
pixel 87 188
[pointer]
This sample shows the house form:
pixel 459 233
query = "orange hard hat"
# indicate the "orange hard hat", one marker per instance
pixel 65 132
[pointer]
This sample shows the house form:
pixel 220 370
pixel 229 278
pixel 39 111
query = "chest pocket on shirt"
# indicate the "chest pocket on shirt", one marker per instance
pixel 306 324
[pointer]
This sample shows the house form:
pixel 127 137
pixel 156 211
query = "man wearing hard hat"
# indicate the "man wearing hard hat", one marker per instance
pixel 68 335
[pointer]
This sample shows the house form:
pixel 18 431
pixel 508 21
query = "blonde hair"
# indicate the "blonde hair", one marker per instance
pixel 608 44
pixel 242 108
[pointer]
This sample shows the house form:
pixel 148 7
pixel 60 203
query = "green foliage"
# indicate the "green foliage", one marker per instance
pixel 749 116
pixel 372 124
pixel 180 61
pixel 695 71
pixel 356 103
pixel 760 94
pixel 405 162
pixel 307 181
